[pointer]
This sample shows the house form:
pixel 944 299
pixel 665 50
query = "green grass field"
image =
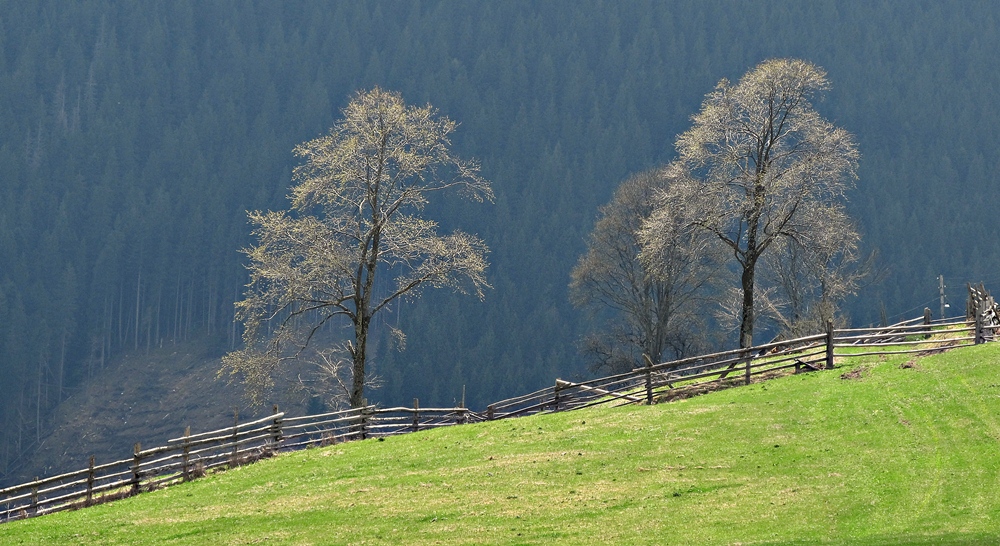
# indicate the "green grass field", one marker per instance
pixel 899 455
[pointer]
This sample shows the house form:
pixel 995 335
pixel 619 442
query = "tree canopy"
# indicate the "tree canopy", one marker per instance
pixel 759 166
pixel 654 307
pixel 357 206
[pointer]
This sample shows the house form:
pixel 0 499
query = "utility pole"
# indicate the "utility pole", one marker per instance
pixel 941 292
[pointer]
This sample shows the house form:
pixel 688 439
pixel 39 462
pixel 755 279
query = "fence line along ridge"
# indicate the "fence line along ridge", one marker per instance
pixel 192 455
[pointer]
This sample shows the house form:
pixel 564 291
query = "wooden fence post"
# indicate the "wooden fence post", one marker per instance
pixel 186 455
pixel 276 428
pixel 979 322
pixel 555 397
pixel 746 373
pixel 829 344
pixel 90 483
pixel 364 419
pixel 416 414
pixel 988 330
pixel 649 379
pixel 490 411
pixel 33 509
pixel 136 461
pixel 236 442
pixel 927 321
pixel 970 303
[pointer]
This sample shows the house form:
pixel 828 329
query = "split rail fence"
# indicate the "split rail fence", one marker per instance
pixel 192 455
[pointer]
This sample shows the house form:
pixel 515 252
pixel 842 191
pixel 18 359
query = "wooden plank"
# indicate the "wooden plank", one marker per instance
pixel 301 426
pixel 420 410
pixel 224 439
pixel 52 479
pixel 908 352
pixel 540 401
pixel 523 398
pixel 714 367
pixel 944 342
pixel 337 438
pixel 332 414
pixel 568 385
pixel 896 329
pixel 229 430
pixel 786 357
pixel 901 334
pixel 535 408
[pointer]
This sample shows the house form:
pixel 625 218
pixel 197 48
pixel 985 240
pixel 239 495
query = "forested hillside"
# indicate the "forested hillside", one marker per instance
pixel 137 135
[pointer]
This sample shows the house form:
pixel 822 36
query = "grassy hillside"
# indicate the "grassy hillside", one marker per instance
pixel 902 452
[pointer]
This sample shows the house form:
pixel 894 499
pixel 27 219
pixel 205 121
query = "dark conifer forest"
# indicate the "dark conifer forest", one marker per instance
pixel 136 135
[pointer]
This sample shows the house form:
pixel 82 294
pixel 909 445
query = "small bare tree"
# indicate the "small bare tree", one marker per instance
pixel 811 276
pixel 650 310
pixel 759 165
pixel 355 217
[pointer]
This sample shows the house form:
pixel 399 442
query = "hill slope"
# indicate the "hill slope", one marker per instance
pixel 145 398
pixel 900 452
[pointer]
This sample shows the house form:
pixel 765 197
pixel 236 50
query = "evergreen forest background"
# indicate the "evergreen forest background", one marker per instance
pixel 135 136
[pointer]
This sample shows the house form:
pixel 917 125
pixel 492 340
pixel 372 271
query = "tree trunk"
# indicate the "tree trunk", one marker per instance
pixel 358 366
pixel 747 315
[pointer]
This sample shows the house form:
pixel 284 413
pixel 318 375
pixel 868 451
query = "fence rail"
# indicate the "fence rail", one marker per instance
pixel 192 455
pixel 667 380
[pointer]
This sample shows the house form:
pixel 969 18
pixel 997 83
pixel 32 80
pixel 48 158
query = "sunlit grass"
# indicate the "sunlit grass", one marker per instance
pixel 895 455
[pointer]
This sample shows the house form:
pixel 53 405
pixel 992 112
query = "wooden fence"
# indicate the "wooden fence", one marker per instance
pixel 192 455
pixel 685 377
pixel 681 378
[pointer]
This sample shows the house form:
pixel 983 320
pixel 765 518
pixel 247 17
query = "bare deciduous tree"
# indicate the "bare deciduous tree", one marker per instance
pixel 759 166
pixel 652 310
pixel 355 217
pixel 813 274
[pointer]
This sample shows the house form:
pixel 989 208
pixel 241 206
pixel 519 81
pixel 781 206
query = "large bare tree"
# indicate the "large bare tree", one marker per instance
pixel 355 218
pixel 653 307
pixel 759 165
